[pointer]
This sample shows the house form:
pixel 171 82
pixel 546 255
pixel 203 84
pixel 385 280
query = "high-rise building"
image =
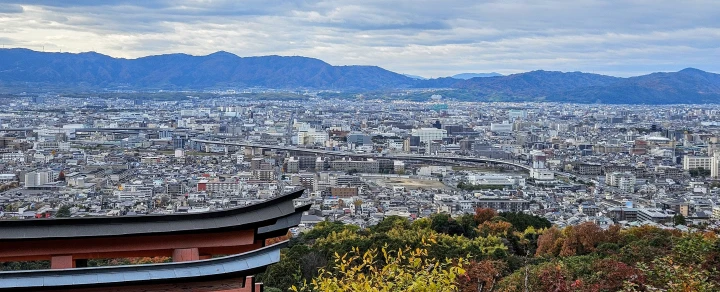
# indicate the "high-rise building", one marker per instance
pixel 179 141
pixel 38 178
pixel 715 165
pixel 429 134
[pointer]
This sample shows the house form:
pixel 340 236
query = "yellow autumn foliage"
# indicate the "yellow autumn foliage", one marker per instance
pixel 385 271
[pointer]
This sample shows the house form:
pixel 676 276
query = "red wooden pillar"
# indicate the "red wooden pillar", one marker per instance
pixel 248 286
pixel 185 254
pixel 62 262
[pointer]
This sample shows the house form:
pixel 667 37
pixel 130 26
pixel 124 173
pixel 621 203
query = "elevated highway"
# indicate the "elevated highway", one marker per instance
pixel 368 155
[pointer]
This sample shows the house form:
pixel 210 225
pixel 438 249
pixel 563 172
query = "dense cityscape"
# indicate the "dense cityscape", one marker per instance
pixel 361 160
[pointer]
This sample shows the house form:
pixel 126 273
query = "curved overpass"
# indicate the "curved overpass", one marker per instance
pixel 368 155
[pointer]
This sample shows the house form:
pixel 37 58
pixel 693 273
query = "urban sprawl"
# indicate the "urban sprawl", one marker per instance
pixel 360 160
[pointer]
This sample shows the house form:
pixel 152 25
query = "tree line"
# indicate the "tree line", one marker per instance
pixel 489 251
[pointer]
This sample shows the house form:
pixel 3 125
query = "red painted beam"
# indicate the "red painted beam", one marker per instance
pixel 126 246
pixel 226 285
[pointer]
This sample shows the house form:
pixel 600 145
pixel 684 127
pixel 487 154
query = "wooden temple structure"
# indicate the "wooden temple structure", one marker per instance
pixel 211 251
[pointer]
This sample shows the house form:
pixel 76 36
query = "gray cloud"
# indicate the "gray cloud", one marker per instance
pixel 6 41
pixel 427 38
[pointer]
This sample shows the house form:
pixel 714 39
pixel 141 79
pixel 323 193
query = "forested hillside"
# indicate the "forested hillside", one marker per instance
pixel 495 252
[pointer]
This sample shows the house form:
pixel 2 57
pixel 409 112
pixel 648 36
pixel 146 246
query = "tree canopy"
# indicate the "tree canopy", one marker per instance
pixel 63 212
pixel 490 251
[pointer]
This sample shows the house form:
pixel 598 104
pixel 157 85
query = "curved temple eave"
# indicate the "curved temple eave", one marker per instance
pixel 229 266
pixel 257 215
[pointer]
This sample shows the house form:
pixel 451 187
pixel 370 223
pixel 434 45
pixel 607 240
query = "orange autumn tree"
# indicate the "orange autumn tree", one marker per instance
pixel 482 275
pixel 575 240
pixel 483 215
pixel 550 242
pixel 274 240
pixel 495 228
pixel 581 239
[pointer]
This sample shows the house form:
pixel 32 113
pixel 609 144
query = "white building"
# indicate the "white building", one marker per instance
pixel 505 127
pixel 429 134
pixel 715 166
pixel 311 136
pixel 695 162
pixel 7 177
pixel 398 166
pixel 9 157
pixel 38 178
pixel 542 174
pixel 226 186
pixel 495 180
pixel 624 181
pixel 716 212
pixel 433 170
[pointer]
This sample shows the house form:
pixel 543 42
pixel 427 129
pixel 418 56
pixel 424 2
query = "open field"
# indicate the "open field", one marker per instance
pixel 410 183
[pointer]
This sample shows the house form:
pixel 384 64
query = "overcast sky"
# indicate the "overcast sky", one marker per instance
pixel 426 38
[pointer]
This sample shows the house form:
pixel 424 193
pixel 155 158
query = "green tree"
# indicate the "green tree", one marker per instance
pixel 522 221
pixel 389 223
pixel 63 212
pixel 679 219
pixel 665 274
pixel 694 172
pixel 577 258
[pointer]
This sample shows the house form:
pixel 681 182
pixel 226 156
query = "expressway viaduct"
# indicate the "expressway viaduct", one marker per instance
pixel 446 159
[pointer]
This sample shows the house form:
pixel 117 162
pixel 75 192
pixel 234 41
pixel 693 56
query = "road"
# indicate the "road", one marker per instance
pixel 368 155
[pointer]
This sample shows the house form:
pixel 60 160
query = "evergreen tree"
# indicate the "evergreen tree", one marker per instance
pixel 63 212
pixel 679 219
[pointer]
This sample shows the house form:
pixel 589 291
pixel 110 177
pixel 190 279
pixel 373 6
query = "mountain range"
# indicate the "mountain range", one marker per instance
pixel 22 69
pixel 182 71
pixel 466 76
pixel 463 76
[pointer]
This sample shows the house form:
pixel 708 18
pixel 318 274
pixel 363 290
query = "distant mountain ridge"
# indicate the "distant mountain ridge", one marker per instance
pixel 686 86
pixel 182 71
pixel 538 83
pixel 415 77
pixel 22 69
pixel 466 76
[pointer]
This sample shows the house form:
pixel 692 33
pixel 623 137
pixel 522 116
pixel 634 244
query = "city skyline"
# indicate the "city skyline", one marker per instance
pixel 425 39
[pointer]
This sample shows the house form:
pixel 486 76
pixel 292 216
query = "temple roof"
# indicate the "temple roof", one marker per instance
pixel 230 266
pixel 263 215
